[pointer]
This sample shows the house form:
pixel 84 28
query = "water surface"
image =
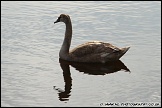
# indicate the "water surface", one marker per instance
pixel 32 75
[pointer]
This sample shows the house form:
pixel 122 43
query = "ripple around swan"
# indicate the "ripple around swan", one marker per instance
pixel 32 75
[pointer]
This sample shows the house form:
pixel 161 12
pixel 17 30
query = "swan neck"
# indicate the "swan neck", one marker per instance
pixel 68 33
pixel 64 52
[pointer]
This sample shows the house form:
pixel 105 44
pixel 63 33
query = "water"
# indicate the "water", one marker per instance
pixel 31 74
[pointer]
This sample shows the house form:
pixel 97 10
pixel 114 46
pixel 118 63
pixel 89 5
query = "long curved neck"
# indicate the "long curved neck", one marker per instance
pixel 64 52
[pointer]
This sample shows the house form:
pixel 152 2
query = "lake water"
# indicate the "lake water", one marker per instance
pixel 32 75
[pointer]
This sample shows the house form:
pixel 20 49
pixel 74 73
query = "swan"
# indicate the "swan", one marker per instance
pixel 89 52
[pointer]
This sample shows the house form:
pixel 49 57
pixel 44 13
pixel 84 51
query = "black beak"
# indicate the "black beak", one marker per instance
pixel 58 20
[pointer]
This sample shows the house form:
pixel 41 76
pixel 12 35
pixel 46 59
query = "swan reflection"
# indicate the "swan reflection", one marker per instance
pixel 87 68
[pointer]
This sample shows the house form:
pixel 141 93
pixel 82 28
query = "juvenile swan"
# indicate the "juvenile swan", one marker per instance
pixel 88 52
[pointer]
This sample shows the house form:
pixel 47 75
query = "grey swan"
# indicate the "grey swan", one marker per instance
pixel 89 52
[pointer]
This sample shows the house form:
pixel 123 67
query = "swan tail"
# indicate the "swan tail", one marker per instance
pixel 123 51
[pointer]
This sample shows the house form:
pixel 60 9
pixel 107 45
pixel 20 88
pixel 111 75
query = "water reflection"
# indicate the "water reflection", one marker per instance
pixel 64 95
pixel 87 68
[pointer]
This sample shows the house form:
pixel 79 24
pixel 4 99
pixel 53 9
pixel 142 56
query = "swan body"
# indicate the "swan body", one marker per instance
pixel 94 51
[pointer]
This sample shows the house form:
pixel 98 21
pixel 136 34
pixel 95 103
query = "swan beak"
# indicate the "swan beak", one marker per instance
pixel 58 20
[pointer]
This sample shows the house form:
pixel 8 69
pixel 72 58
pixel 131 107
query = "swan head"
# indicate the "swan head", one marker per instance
pixel 63 18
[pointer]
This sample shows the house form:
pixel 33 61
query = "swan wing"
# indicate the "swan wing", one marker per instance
pixel 94 48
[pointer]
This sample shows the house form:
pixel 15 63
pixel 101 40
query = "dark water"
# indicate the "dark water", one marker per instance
pixel 33 75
